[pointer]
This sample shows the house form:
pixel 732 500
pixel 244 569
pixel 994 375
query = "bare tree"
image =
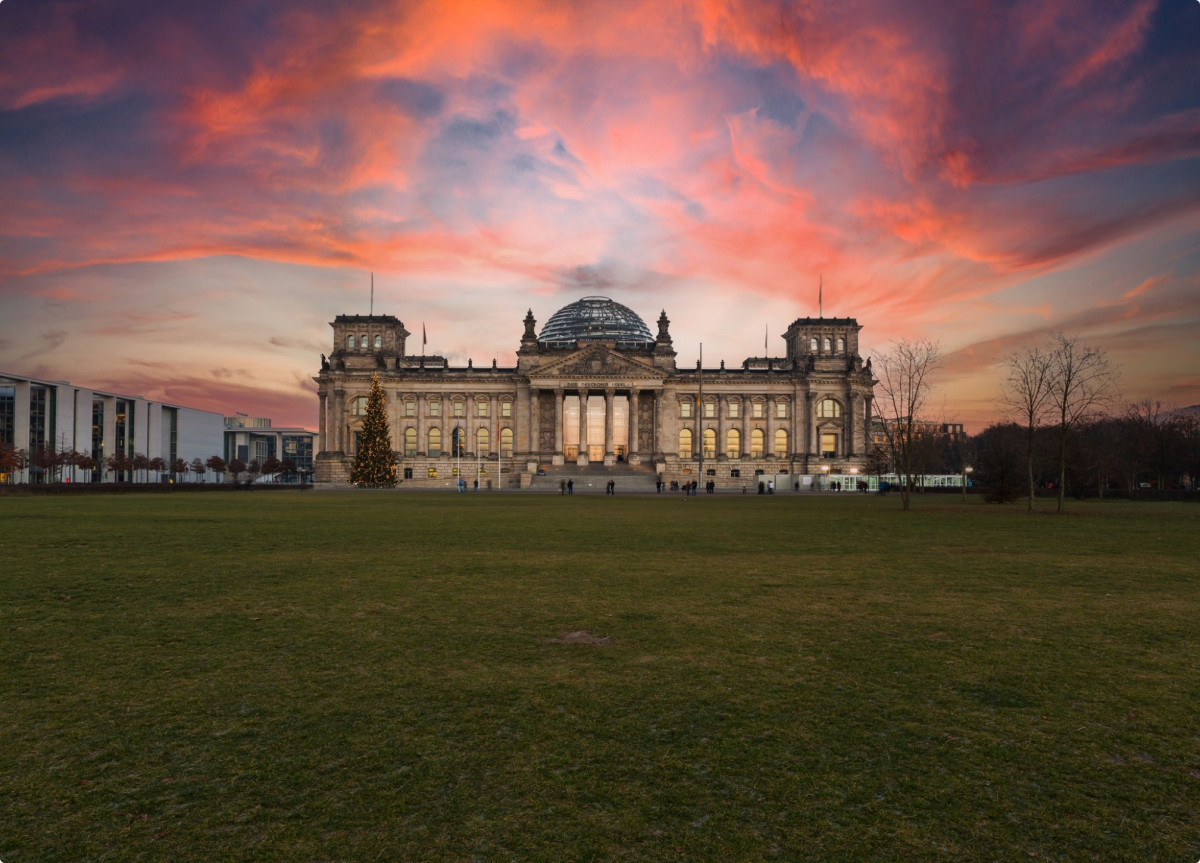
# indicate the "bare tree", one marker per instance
pixel 1083 384
pixel 1027 396
pixel 905 379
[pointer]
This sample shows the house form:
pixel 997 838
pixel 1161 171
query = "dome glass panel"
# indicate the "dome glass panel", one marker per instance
pixel 595 319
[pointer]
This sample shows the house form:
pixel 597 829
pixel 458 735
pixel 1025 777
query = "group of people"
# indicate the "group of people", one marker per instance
pixel 567 486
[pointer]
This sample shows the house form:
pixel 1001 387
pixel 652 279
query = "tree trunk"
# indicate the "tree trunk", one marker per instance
pixel 1062 469
pixel 1029 464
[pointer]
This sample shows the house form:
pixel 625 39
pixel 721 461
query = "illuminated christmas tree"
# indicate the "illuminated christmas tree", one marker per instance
pixel 374 463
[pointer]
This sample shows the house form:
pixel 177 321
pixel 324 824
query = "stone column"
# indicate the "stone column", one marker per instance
pixel 868 422
pixel 609 393
pixel 659 449
pixel 558 421
pixel 534 434
pixel 634 408
pixel 339 420
pixel 583 424
pixel 850 423
pixel 321 399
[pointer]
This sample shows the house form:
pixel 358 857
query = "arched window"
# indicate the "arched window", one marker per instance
pixel 349 343
pixel 458 441
pixel 841 346
pixel 434 448
pixel 362 341
pixel 710 443
pixel 733 443
pixel 756 443
pixel 482 442
pixel 829 409
pixel 812 344
pixel 685 443
pixel 410 442
pixel 506 443
pixel 379 341
pixel 781 447
pixel 827 344
pixel 358 407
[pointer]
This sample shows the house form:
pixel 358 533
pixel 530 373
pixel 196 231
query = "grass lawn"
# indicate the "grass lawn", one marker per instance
pixel 375 676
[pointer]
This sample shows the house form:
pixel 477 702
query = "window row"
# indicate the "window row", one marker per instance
pixel 827 344
pixel 458 438
pixel 826 409
pixel 363 341
pixel 733 443
pixel 458 408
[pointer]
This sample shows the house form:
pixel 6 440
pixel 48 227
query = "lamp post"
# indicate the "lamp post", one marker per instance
pixel 966 470
pixel 854 473
pixel 824 477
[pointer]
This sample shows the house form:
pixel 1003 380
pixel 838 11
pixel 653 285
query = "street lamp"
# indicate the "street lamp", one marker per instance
pixel 966 470
pixel 825 477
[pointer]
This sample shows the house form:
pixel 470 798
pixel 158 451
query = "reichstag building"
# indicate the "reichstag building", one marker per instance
pixel 595 392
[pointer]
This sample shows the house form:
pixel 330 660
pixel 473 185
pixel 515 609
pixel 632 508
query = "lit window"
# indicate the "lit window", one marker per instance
pixel 506 409
pixel 710 443
pixel 710 409
pixel 506 443
pixel 685 408
pixel 781 443
pixel 379 341
pixel 756 410
pixel 482 442
pixel 829 409
pixel 434 448
pixel 780 410
pixel 734 410
pixel 410 408
pixel 828 445
pixel 435 408
pixel 733 443
pixel 756 443
pixel 685 443
pixel 410 442
pixel 458 442
pixel 358 407
pixel 459 408
pixel 433 473
pixel 482 408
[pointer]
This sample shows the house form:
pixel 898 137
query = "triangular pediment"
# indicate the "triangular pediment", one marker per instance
pixel 597 361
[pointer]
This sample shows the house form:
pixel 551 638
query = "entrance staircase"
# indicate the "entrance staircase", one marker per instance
pixel 593 478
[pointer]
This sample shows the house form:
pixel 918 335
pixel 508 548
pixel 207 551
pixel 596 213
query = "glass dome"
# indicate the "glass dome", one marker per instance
pixel 595 319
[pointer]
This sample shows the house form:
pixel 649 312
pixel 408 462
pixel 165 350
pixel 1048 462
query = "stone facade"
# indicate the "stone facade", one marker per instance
pixel 805 413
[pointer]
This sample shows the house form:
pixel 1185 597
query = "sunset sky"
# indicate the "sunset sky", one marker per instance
pixel 190 192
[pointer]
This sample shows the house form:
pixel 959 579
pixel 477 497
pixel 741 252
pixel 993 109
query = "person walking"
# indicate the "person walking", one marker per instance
pixel 570 486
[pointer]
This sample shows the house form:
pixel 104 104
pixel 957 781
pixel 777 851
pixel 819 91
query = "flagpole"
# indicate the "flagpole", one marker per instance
pixel 821 298
pixel 700 411
pixel 372 295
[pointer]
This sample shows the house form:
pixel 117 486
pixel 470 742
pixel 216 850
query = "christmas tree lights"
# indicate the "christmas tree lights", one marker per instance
pixel 374 463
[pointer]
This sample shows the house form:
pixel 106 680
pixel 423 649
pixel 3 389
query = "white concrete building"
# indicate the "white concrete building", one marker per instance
pixel 60 416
